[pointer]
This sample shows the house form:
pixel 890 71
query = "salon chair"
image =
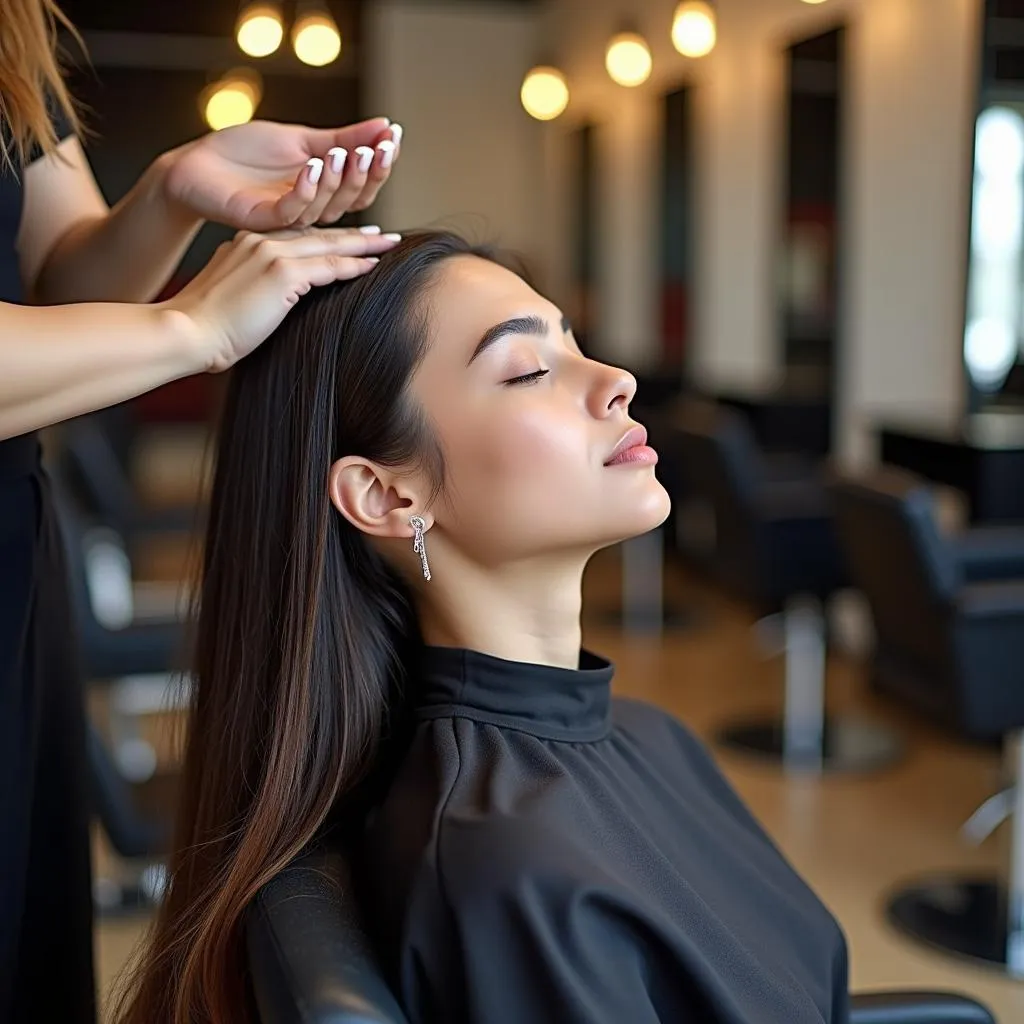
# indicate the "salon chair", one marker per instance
pixel 775 548
pixel 948 615
pixel 136 663
pixel 94 470
pixel 310 959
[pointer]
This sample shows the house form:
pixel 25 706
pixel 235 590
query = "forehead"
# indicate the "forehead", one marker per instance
pixel 471 295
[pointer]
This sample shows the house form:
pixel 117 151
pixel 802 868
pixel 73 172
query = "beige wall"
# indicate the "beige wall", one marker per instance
pixel 472 158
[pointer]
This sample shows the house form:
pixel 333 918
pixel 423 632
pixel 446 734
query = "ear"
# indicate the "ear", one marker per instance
pixel 375 500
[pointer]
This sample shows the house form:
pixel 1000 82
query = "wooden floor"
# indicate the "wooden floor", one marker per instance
pixel 853 839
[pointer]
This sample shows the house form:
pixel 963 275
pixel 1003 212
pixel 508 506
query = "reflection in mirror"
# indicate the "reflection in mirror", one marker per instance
pixel 581 306
pixel 808 267
pixel 677 226
pixel 994 321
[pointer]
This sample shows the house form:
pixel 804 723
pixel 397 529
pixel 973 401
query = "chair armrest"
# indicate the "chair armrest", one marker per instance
pixel 917 1008
pixel 990 553
pixel 788 467
pixel 145 649
pixel 992 600
pixel 800 499
pixel 307 953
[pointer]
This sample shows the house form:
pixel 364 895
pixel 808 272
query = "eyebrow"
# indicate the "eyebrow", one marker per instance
pixel 518 325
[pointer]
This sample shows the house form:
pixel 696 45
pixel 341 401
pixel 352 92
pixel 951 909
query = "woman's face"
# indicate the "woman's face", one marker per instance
pixel 528 425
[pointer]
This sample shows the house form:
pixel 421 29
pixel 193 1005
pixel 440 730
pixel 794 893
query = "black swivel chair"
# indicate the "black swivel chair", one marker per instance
pixel 310 960
pixel 93 469
pixel 949 627
pixel 137 662
pixel 775 547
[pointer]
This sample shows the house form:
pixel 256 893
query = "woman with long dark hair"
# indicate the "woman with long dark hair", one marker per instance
pixel 411 476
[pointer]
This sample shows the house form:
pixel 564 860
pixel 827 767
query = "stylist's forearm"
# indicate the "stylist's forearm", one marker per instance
pixel 62 361
pixel 127 256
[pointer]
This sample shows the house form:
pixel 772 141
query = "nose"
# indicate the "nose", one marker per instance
pixel 614 388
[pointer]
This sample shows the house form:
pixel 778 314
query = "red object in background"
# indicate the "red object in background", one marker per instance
pixel 190 400
pixel 813 227
pixel 673 323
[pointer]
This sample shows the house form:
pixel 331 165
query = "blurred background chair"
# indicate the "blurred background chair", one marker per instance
pixel 94 465
pixel 775 547
pixel 131 664
pixel 948 614
pixel 310 959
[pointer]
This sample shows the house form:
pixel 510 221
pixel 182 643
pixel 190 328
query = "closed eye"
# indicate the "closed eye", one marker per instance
pixel 527 378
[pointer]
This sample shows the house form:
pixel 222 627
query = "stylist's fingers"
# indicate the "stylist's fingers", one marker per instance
pixel 353 182
pixel 333 167
pixel 294 203
pixel 311 272
pixel 387 152
pixel 292 244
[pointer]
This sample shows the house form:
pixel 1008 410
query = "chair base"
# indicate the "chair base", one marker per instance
pixel 846 746
pixel 964 917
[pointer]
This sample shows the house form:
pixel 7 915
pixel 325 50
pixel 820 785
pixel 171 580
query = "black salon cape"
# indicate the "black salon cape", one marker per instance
pixel 548 854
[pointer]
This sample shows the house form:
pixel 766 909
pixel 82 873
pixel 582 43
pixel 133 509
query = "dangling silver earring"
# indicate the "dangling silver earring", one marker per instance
pixel 419 544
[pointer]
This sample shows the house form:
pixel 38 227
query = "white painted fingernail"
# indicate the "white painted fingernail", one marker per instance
pixel 392 236
pixel 365 155
pixel 396 133
pixel 370 229
pixel 337 155
pixel 372 259
pixel 316 168
pixel 387 153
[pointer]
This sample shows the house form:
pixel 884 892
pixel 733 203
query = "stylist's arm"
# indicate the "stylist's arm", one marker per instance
pixel 61 361
pixel 98 347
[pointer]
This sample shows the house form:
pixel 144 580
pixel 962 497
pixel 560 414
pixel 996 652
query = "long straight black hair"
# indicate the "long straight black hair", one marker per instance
pixel 300 621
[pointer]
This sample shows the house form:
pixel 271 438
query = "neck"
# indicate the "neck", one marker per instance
pixel 528 613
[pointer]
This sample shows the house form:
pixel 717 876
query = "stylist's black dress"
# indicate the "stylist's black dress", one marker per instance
pixel 546 855
pixel 46 971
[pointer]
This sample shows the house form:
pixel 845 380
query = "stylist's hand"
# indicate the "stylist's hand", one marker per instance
pixel 244 292
pixel 263 176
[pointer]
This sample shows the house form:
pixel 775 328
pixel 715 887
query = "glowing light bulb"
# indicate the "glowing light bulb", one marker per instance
pixel 628 59
pixel 316 39
pixel 694 29
pixel 544 94
pixel 260 29
pixel 232 100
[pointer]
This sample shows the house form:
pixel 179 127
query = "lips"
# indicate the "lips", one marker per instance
pixel 636 437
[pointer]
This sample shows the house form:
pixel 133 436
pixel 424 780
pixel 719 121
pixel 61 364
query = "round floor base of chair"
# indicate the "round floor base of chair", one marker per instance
pixel 848 746
pixel 964 917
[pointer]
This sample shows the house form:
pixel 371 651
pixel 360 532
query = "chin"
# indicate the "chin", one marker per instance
pixel 646 511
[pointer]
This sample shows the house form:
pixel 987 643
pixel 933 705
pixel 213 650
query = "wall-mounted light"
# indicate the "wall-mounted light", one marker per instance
pixel 259 29
pixel 814 1
pixel 232 99
pixel 315 36
pixel 628 59
pixel 694 28
pixel 545 93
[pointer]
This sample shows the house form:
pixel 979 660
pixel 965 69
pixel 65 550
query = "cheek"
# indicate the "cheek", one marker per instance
pixel 524 448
